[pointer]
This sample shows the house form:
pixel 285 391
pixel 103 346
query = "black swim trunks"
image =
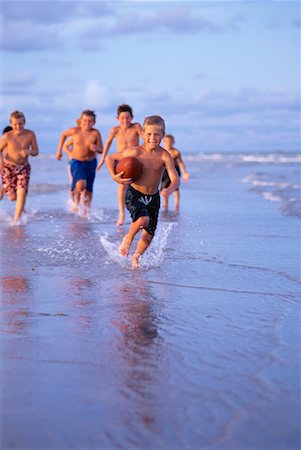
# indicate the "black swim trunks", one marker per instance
pixel 141 205
pixel 166 180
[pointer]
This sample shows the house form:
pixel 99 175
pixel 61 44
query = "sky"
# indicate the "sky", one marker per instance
pixel 224 75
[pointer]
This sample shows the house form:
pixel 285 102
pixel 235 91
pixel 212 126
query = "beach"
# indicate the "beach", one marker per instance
pixel 197 349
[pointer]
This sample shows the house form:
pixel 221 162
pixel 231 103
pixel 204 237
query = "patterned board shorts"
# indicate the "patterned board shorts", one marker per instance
pixel 139 205
pixel 15 177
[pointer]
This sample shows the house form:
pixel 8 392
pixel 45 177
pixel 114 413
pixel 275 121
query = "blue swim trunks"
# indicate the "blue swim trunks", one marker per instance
pixel 83 170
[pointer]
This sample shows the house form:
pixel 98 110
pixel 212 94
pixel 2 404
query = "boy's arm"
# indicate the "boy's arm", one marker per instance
pixel 34 149
pixel 63 137
pixel 97 147
pixel 2 146
pixel 139 129
pixel 110 163
pixel 107 146
pixel 186 175
pixel 172 173
pixel 66 148
pixel 3 143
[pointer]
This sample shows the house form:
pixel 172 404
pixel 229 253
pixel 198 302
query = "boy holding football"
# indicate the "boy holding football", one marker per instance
pixel 142 196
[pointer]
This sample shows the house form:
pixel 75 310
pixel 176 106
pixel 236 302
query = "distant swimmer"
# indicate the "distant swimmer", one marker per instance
pixel 169 141
pixel 127 135
pixel 142 196
pixel 15 147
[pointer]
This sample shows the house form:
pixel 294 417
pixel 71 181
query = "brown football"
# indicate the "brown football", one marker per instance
pixel 131 167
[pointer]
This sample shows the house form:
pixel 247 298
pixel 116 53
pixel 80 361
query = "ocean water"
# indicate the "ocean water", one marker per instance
pixel 198 349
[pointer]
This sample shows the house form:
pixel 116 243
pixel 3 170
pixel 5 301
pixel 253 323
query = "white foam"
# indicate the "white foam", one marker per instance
pixel 269 158
pixel 252 179
pixel 271 197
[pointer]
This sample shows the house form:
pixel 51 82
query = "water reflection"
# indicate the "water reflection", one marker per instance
pixel 138 346
pixel 14 284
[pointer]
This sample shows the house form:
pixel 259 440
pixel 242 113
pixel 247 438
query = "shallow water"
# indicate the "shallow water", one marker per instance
pixel 196 350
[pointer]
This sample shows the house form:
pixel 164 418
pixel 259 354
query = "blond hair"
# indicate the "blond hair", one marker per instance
pixel 155 120
pixel 17 115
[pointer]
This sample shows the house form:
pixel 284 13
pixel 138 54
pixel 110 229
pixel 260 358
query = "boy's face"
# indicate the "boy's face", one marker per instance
pixel 152 136
pixel 87 122
pixel 125 118
pixel 17 124
pixel 168 143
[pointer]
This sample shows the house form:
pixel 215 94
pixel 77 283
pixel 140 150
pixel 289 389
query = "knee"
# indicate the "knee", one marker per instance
pixel 12 197
pixel 80 186
pixel 147 238
pixel 143 221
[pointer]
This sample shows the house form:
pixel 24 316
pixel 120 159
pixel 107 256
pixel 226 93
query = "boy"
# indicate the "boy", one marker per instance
pixel 127 135
pixel 169 141
pixel 17 145
pixel 142 197
pixel 86 142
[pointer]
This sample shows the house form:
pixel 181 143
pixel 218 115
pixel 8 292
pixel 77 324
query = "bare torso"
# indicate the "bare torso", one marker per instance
pixel 16 147
pixel 126 137
pixel 82 140
pixel 174 153
pixel 153 166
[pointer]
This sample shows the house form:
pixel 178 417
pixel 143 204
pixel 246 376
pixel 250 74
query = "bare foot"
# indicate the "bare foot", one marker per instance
pixel 125 246
pixel 136 261
pixel 120 220
pixel 74 207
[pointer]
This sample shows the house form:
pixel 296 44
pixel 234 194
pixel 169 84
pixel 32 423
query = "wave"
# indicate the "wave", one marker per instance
pixel 246 158
pixel 277 188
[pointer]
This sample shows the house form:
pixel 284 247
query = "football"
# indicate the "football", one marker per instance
pixel 131 167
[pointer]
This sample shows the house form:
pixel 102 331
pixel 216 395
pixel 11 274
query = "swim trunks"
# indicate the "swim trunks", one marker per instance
pixel 83 170
pixel 15 177
pixel 166 180
pixel 141 205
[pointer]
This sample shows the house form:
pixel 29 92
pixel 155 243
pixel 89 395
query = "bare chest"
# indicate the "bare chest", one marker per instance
pixel 127 138
pixel 17 143
pixel 83 140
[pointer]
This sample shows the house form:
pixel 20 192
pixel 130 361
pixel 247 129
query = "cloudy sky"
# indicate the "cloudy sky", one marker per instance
pixel 223 74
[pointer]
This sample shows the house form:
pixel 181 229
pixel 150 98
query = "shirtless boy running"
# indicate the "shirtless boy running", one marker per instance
pixel 16 146
pixel 142 196
pixel 169 142
pixel 86 142
pixel 126 135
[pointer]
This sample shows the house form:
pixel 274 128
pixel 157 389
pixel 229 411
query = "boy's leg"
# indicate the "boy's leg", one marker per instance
pixel 86 199
pixel 141 222
pixel 165 203
pixel 20 203
pixel 80 186
pixel 177 199
pixel 121 191
pixel 142 245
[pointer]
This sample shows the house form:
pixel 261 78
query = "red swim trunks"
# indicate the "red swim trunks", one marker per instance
pixel 15 177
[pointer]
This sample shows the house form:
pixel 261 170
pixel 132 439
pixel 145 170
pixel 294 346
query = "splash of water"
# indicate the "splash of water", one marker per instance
pixel 8 218
pixel 154 255
pixel 113 251
pixel 152 258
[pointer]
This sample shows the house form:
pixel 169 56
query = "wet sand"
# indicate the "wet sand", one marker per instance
pixel 197 350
